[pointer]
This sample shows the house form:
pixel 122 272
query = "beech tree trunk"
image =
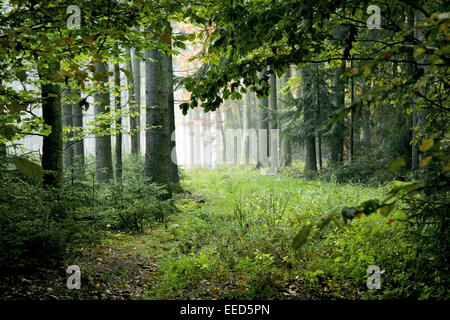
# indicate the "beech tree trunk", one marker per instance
pixel 174 177
pixel 318 120
pixel 336 141
pixel 78 146
pixel 157 143
pixel 52 148
pixel 273 126
pixel 136 138
pixel 118 124
pixel 67 121
pixel 246 129
pixel 131 102
pixel 286 156
pixel 103 154
pixel 263 126
pixel 309 120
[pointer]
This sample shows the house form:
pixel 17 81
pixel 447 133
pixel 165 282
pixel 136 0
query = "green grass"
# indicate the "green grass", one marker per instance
pixel 232 237
pixel 236 241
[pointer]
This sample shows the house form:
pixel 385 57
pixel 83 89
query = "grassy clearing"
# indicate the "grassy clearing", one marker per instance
pixel 238 243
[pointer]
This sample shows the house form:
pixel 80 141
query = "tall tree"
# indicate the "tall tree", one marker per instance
pixel 273 125
pixel 318 116
pixel 131 101
pixel 336 139
pixel 118 123
pixel 421 111
pixel 78 147
pixel 136 138
pixel 52 152
pixel 309 119
pixel 352 119
pixel 286 156
pixel 227 124
pixel 247 119
pixel 174 177
pixel 67 121
pixel 157 143
pixel 103 154
pixel 220 137
pixel 262 103
pixel 366 119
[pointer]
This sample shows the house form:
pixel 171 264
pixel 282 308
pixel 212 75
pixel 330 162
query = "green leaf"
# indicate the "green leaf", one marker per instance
pixel 127 72
pixel 301 237
pixel 180 44
pixel 397 164
pixel 426 161
pixel 191 37
pixel 15 107
pixel 98 76
pixel 21 75
pixel 419 52
pixel 426 144
pixel 28 167
pixel 7 131
pixel 352 72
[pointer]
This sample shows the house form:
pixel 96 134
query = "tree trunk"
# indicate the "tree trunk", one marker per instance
pixel 337 136
pixel 419 114
pixel 192 134
pixel 157 137
pixel 118 124
pixel 136 138
pixel 227 124
pixel 78 147
pixel 131 102
pixel 68 150
pixel 219 140
pixel 103 155
pixel 52 148
pixel 175 178
pixel 286 156
pixel 412 69
pixel 263 126
pixel 352 121
pixel 206 139
pixel 309 120
pixel 367 131
pixel 273 125
pixel 246 129
pixel 415 146
pixel 318 118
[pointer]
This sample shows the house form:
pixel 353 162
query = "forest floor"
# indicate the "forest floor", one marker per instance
pixel 231 238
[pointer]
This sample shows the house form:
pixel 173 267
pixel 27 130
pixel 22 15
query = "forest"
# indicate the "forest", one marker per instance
pixel 224 149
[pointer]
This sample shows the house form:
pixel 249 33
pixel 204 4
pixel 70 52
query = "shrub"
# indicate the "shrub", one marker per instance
pixel 361 172
pixel 38 225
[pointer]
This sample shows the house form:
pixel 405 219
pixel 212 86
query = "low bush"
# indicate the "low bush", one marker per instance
pixel 38 225
pixel 42 226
